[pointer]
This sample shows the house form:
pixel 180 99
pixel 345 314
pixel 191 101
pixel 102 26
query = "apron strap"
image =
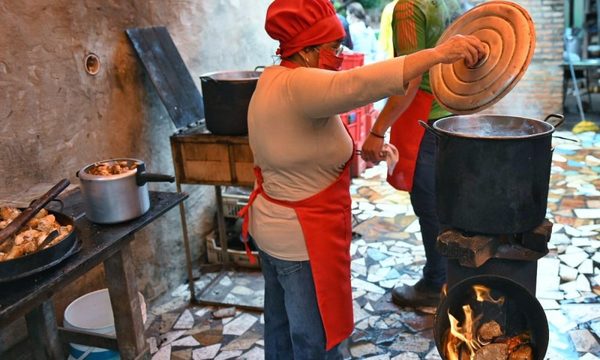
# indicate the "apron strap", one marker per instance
pixel 245 215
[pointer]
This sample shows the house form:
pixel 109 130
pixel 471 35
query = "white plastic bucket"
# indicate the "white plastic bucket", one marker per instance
pixel 92 312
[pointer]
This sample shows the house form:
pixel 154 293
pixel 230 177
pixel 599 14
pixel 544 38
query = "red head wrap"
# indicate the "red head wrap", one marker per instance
pixel 297 24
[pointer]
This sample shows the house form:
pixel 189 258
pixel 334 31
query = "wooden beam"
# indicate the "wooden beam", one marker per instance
pixel 88 338
pixel 43 332
pixel 120 277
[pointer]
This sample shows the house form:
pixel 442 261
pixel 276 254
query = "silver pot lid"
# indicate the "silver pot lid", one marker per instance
pixel 508 33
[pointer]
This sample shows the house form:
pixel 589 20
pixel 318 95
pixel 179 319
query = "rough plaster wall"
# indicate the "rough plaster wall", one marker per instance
pixel 55 118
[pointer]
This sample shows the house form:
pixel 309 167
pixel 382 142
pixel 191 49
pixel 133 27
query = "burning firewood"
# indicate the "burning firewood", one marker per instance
pixel 516 341
pixel 473 338
pixel 523 353
pixel 490 330
pixel 492 352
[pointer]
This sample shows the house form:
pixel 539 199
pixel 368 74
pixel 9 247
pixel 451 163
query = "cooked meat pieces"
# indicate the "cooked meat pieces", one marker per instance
pixel 9 213
pixel 32 234
pixel 111 168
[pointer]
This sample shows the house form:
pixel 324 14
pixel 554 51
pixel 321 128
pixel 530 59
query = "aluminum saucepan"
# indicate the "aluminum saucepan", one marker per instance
pixel 110 199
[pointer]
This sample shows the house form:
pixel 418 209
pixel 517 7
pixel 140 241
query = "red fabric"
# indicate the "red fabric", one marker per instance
pixel 289 64
pixel 326 223
pixel 406 135
pixel 297 24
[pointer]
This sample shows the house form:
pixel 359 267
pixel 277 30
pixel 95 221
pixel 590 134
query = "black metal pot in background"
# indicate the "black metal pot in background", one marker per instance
pixel 522 312
pixel 492 172
pixel 226 96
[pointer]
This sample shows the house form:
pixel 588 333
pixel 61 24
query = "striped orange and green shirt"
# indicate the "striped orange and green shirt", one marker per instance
pixel 417 25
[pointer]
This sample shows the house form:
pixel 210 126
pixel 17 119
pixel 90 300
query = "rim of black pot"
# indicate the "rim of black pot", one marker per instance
pixel 437 123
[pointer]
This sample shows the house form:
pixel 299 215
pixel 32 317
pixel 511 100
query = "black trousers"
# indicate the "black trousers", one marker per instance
pixel 423 200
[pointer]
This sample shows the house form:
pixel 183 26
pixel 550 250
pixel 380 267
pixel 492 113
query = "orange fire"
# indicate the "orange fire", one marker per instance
pixel 466 334
pixel 483 293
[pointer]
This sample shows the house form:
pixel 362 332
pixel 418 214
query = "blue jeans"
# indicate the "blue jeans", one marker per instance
pixel 423 200
pixel 293 325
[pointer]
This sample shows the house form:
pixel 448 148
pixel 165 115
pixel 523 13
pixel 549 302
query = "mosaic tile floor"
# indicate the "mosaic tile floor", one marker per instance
pixel 388 252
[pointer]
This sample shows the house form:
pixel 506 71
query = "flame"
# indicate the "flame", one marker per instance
pixel 483 293
pixel 467 332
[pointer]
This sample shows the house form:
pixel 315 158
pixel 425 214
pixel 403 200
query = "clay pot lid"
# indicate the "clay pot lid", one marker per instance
pixel 507 31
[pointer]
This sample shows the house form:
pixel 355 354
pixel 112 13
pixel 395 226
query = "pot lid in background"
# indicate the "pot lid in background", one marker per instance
pixel 507 30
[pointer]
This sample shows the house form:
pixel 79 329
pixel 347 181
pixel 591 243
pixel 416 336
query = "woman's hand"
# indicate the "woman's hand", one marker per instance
pixel 372 149
pixel 459 47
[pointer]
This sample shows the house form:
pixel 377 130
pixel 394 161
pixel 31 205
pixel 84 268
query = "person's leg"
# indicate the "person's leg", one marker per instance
pixel 427 291
pixel 423 200
pixel 278 343
pixel 305 323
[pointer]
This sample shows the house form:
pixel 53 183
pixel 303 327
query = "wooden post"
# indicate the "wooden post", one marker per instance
pixel 43 332
pixel 119 273
pixel 221 225
pixel 186 246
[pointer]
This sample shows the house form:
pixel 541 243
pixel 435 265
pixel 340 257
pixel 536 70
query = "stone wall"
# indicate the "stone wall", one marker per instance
pixel 540 91
pixel 55 118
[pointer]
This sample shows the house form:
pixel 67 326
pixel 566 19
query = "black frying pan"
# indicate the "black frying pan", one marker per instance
pixel 32 210
pixel 44 259
pixel 522 311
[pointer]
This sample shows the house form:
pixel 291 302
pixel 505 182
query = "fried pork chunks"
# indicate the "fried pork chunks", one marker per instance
pixel 31 236
pixel 111 168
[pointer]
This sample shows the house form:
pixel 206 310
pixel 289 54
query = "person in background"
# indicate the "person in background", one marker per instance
pixel 386 44
pixel 299 213
pixel 363 37
pixel 416 25
pixel 347 42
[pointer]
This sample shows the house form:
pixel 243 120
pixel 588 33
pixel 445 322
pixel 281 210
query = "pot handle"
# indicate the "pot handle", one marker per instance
pixel 207 79
pixel 142 178
pixel 566 138
pixel 431 129
pixel 260 68
pixel 560 118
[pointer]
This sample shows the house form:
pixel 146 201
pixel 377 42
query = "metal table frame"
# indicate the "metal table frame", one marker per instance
pixel 234 179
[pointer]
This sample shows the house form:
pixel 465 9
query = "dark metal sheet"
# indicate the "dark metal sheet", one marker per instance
pixel 171 78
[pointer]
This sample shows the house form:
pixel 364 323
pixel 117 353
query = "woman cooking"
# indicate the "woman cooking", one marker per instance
pixel 299 212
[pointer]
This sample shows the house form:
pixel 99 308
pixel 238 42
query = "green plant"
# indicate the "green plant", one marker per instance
pixel 340 5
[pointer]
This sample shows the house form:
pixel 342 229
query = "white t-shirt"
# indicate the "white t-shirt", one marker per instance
pixel 300 143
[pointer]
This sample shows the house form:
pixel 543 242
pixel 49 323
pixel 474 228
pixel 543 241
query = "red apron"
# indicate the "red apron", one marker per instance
pixel 406 135
pixel 325 219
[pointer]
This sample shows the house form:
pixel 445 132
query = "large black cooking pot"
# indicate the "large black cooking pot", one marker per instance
pixel 226 97
pixel 493 172
pixel 520 312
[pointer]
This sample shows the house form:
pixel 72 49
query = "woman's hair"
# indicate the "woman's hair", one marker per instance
pixel 356 9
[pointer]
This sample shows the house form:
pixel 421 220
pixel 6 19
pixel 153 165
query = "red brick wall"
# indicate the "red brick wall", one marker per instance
pixel 540 90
